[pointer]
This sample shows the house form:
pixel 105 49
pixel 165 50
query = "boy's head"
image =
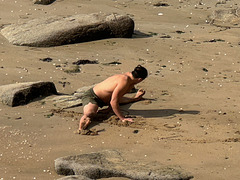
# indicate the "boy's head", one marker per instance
pixel 140 72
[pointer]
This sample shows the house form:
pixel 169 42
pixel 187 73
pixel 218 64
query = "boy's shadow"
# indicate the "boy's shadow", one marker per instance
pixel 153 113
pixel 147 113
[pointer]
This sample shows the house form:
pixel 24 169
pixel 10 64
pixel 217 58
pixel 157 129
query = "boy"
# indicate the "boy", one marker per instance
pixel 110 92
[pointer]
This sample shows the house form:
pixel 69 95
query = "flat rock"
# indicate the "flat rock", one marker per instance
pixel 225 18
pixel 43 2
pixel 110 163
pixel 66 101
pixel 59 30
pixel 69 101
pixel 23 93
pixel 79 92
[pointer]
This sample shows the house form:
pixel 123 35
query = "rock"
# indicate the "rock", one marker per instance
pixel 110 163
pixel 205 69
pixel 66 101
pixel 225 18
pixel 179 32
pixel 59 30
pixel 73 69
pixel 165 36
pixel 43 2
pixel 23 93
pixel 112 63
pixel 79 92
pixel 158 4
pixel 85 61
pixel 48 59
pixel 74 177
pixel 69 101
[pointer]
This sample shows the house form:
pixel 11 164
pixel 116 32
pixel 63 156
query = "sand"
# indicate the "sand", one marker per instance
pixel 191 112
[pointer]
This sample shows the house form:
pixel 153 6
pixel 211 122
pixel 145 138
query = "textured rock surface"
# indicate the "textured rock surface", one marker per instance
pixel 110 163
pixel 69 101
pixel 75 177
pixel 58 30
pixel 23 93
pixel 225 18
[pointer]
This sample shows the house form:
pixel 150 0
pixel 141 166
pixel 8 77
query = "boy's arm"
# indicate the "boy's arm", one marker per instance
pixel 137 97
pixel 117 94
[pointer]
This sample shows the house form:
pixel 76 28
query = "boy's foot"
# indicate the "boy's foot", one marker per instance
pixel 85 123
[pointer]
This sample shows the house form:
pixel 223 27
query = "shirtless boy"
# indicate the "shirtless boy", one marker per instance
pixel 110 92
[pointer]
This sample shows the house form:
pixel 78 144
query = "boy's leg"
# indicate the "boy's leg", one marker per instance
pixel 89 111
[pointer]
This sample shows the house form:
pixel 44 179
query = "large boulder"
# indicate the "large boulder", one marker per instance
pixel 59 30
pixel 110 163
pixel 23 93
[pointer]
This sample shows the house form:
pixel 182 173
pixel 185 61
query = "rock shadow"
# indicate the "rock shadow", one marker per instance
pixel 139 34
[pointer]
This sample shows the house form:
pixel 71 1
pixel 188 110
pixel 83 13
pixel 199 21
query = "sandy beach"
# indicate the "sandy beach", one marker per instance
pixel 190 117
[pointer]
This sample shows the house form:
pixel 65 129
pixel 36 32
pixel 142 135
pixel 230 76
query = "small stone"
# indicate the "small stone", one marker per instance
pixel 135 131
pixel 179 32
pixel 158 4
pixel 43 2
pixel 205 69
pixel 48 59
pixel 82 62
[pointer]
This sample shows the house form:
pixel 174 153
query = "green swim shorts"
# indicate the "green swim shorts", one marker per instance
pixel 90 96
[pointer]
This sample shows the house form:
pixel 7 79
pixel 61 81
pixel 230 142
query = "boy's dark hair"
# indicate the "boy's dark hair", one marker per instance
pixel 140 72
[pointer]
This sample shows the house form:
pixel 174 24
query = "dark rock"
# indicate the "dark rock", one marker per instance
pixel 73 69
pixel 23 93
pixel 43 2
pixel 205 69
pixel 135 131
pixel 48 59
pixel 165 36
pixel 79 62
pixel 59 30
pixel 158 4
pixel 179 32
pixel 112 63
pixel 110 163
pixel 215 40
pixel 191 40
